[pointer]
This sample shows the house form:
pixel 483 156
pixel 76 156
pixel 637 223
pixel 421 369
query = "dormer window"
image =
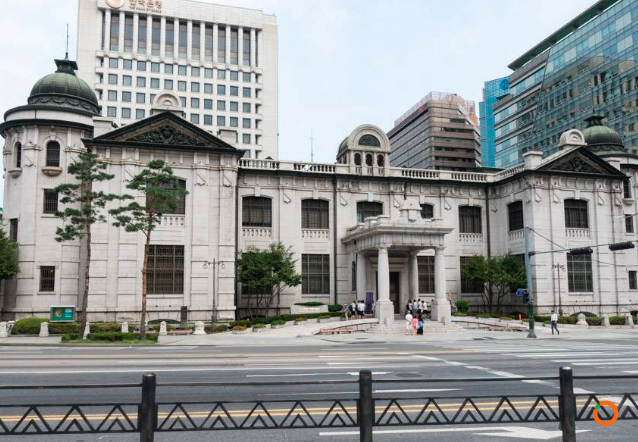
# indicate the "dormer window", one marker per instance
pixel 369 140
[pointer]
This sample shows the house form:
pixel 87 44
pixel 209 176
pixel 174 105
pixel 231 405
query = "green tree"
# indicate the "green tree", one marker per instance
pixel 264 274
pixel 157 184
pixel 84 207
pixel 497 275
pixel 8 257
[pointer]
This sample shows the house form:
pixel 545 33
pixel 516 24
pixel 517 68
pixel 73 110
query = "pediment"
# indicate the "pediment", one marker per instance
pixel 581 161
pixel 165 130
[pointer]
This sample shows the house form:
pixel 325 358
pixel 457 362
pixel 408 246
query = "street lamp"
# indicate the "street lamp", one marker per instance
pixel 214 263
pixel 559 267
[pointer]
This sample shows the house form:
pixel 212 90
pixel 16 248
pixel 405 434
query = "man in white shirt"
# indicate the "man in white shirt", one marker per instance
pixel 408 324
pixel 554 320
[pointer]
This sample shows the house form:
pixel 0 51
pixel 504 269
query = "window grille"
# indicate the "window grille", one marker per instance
pixel 315 214
pixel 166 270
pixel 315 273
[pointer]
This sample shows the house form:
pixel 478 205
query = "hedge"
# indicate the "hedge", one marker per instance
pixel 284 318
pixel 462 306
pixel 310 304
pixel 119 336
pixel 28 326
pixel 335 308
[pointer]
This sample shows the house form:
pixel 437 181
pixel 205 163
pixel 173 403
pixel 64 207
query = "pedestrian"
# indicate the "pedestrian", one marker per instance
pixel 424 306
pixel 415 325
pixel 362 309
pixel 420 323
pixel 408 307
pixel 408 323
pixel 415 307
pixel 554 320
pixel 353 309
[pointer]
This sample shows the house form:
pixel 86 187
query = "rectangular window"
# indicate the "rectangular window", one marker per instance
pixel 112 79
pixel 626 187
pixel 315 274
pixel 140 98
pixel 111 112
pixel 234 91
pixel 256 211
pixel 576 215
pixel 208 73
pixel 112 95
pixel 208 120
pixel 195 118
pixel 155 67
pixel 165 270
pixel 633 279
pixel 367 209
pixel 515 215
pixel 47 279
pixel 246 49
pixel 246 107
pixel 470 219
pixel 196 41
pixel 126 97
pixel 13 229
pixel 234 47
pixel 128 33
pixel 194 87
pixel 168 69
pixel 221 45
pixel 234 122
pixel 246 77
pixel 196 72
pixel 208 44
pixel 141 81
pixel 127 80
pixel 115 32
pixel 234 106
pixel 221 105
pixel 169 39
pixel 182 70
pixel 114 63
pixel 234 76
pixel 467 285
pixel 182 100
pixel 181 86
pixel 142 30
pixel 126 112
pixel 156 36
pixel 245 123
pixel 246 92
pixel 426 274
pixel 315 214
pixel 183 35
pixel 579 274
pixel 245 139
pixel 128 65
pixel 221 89
pixel 155 83
pixel 208 88
pixel 221 74
pixel 221 121
pixel 140 113
pixel 195 103
pixel 50 205
pixel 629 224
pixel 427 211
pixel 168 84
pixel 208 104
pixel 141 66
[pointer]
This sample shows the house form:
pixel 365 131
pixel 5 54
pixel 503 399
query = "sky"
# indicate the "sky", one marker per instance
pixel 342 63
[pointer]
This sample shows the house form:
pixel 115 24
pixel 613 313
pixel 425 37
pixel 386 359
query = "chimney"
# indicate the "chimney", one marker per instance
pixel 533 159
pixel 228 135
pixel 102 125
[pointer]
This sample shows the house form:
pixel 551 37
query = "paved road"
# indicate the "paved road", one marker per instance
pixel 391 362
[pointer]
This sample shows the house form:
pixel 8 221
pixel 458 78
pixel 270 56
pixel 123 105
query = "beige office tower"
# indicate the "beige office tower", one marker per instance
pixel 219 63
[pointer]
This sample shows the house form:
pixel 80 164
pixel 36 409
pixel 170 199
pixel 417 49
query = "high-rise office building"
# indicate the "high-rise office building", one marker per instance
pixel 218 63
pixel 439 132
pixel 492 91
pixel 588 67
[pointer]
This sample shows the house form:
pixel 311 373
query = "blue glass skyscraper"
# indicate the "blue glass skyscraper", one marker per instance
pixel 492 90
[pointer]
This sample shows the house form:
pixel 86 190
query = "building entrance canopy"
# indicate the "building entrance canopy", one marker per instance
pixel 410 233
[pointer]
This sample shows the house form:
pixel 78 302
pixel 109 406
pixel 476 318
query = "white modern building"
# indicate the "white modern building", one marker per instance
pixel 219 62
pixel 357 226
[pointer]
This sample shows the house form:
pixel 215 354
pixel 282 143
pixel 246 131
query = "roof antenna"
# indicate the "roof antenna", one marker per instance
pixel 312 147
pixel 66 56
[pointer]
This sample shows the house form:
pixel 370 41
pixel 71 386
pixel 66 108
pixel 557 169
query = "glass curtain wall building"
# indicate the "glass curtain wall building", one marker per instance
pixel 492 91
pixel 587 67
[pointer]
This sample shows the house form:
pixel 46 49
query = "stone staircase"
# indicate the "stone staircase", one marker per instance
pixel 399 328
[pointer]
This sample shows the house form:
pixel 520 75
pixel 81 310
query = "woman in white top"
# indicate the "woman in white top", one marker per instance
pixel 408 324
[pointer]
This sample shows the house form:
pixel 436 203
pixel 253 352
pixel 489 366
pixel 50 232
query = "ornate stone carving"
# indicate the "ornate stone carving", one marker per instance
pixel 578 165
pixel 167 134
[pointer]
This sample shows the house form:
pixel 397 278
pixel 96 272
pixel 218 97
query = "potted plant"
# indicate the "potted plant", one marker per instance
pixel 259 328
pixel 278 323
pixel 240 329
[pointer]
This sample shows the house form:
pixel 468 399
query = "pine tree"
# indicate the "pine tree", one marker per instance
pixel 159 187
pixel 84 207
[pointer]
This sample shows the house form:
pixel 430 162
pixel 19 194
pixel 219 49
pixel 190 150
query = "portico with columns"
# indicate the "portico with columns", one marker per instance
pixel 380 238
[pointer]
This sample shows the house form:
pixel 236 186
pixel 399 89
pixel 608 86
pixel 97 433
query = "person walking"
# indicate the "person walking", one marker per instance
pixel 415 307
pixel 362 309
pixel 408 323
pixel 420 324
pixel 554 320
pixel 415 325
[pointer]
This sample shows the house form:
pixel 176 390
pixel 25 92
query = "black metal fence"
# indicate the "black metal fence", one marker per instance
pixel 150 416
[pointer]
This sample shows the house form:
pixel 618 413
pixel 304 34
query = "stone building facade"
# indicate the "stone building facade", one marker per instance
pixel 356 226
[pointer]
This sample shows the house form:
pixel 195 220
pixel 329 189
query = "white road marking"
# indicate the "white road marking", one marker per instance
pixel 557 355
pixel 421 390
pixel 292 375
pixel 374 373
pixel 513 432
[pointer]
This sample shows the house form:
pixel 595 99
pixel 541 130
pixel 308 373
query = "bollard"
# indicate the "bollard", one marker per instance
pixel 199 328
pixel 365 413
pixel 147 418
pixel 629 320
pixel 87 330
pixel 567 404
pixel 4 330
pixel 582 321
pixel 44 330
pixel 124 327
pixel 162 330
pixel 606 321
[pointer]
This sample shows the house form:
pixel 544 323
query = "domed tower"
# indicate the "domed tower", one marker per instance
pixel 366 150
pixel 40 140
pixel 601 139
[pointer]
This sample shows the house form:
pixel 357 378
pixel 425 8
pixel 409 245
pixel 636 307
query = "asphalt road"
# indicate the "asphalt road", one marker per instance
pixel 412 371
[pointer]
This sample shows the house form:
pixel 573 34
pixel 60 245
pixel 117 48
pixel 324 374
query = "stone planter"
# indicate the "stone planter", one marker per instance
pixel 259 330
pixel 291 322
pixel 275 327
pixel 242 332
pixel 300 322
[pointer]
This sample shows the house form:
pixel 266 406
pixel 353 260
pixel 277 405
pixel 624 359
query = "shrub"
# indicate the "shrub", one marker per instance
pixel 242 322
pixel 310 304
pixel 462 306
pixel 539 318
pixel 567 320
pixel 106 327
pixel 239 327
pixel 594 320
pixel 460 314
pixel 259 326
pixel 617 320
pixel 62 328
pixel 335 308
pixel 278 322
pixel 118 336
pixel 325 316
pixel 217 329
pixel 301 318
pixel 28 326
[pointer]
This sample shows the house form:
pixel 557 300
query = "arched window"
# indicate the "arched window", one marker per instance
pixel 256 211
pixel 515 215
pixel 353 276
pixel 18 154
pixel 369 161
pixel 53 154
pixel 427 211
pixel 470 219
pixel 357 159
pixel 315 214
pixel 367 209
pixel 369 140
pixel 380 161
pixel 576 214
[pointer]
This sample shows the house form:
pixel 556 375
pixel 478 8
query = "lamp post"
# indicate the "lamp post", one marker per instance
pixel 559 267
pixel 214 263
pixel 530 290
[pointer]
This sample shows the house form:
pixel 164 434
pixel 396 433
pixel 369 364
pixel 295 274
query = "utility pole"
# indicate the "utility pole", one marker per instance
pixel 530 291
pixel 312 147
pixel 560 302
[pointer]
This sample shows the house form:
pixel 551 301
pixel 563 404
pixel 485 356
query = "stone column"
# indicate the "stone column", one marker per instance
pixel 240 46
pixel 107 30
pixel 215 41
pixel 136 31
pixel 176 42
pixel 441 311
pixel 253 42
pixel 414 275
pixel 384 309
pixel 228 45
pixel 163 37
pixel 361 276
pixel 189 40
pixel 120 43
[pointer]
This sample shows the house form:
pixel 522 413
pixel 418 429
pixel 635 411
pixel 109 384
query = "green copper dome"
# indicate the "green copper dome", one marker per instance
pixel 63 89
pixel 600 138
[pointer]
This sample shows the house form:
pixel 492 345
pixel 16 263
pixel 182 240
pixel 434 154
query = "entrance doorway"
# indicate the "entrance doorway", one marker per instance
pixel 395 290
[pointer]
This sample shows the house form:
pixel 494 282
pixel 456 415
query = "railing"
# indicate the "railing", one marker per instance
pixel 577 233
pixel 471 238
pixel 509 172
pixel 259 164
pixel 365 410
pixel 315 233
pixel 516 235
pixel 320 168
pixel 420 173
pixel 470 176
pixel 256 232
pixel 173 221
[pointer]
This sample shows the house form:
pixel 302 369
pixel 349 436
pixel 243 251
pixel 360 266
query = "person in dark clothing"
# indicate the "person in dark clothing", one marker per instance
pixel 419 330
